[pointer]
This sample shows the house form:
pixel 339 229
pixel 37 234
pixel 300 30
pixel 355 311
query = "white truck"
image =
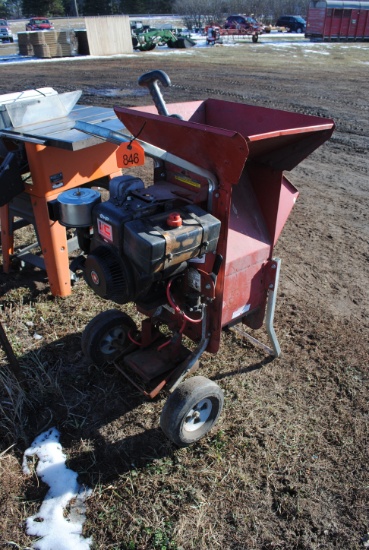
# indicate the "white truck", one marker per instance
pixel 5 32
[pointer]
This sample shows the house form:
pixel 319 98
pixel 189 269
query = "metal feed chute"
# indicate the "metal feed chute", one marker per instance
pixel 246 148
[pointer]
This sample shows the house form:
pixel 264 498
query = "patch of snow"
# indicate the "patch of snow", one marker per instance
pixel 317 52
pixel 56 529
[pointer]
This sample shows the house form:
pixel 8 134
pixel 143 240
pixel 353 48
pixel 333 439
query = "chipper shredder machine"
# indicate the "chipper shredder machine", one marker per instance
pixel 193 250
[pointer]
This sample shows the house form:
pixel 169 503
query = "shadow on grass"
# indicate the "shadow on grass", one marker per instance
pixel 244 370
pixel 29 281
pixel 94 408
pixel 108 461
pixel 98 412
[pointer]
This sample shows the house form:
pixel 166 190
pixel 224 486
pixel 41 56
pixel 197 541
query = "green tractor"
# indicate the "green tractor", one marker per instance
pixel 147 40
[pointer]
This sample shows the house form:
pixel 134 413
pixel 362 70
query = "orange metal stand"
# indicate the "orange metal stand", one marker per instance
pixel 54 170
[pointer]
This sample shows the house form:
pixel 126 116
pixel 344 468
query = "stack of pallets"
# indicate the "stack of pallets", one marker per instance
pixel 40 46
pixel 24 43
pixel 46 44
pixel 67 43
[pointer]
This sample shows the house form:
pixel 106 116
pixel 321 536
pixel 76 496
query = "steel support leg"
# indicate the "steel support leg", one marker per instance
pixel 275 348
pixel 269 317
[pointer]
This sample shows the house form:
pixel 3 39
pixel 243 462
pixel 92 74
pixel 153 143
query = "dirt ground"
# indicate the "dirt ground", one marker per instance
pixel 287 466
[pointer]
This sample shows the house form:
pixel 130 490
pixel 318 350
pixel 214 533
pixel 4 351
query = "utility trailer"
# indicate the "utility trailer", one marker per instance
pixel 338 20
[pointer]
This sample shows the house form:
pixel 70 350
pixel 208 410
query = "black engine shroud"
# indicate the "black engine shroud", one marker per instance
pixel 142 236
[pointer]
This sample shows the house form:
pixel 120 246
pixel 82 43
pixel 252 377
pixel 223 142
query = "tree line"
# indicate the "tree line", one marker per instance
pixel 197 13
pixel 194 12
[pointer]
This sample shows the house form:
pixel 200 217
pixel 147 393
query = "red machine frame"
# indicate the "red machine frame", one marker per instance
pixel 229 158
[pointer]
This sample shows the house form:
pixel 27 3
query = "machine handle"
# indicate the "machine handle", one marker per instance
pixel 150 80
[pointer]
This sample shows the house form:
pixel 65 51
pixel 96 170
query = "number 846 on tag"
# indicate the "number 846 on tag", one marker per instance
pixel 130 154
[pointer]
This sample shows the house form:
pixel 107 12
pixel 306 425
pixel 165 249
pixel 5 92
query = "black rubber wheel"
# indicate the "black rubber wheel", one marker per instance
pixel 146 47
pixel 191 410
pixel 255 38
pixel 106 336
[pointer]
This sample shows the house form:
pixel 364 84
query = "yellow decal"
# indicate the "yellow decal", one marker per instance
pixel 183 179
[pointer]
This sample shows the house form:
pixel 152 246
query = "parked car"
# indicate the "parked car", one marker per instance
pixel 39 24
pixel 5 32
pixel 242 22
pixel 294 23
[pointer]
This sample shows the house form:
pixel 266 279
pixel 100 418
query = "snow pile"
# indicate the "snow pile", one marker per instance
pixel 58 530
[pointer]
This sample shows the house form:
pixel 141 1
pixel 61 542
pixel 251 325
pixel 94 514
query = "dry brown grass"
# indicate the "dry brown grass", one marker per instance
pixel 287 465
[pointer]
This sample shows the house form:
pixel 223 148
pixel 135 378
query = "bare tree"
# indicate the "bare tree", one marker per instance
pixel 197 13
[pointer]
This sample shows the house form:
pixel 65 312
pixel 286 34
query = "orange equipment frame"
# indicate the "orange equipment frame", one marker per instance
pixel 55 169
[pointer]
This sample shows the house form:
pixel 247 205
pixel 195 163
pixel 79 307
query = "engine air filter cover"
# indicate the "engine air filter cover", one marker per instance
pixel 75 206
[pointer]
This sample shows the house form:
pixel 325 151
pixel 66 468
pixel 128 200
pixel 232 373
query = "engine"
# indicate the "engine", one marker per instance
pixel 137 239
